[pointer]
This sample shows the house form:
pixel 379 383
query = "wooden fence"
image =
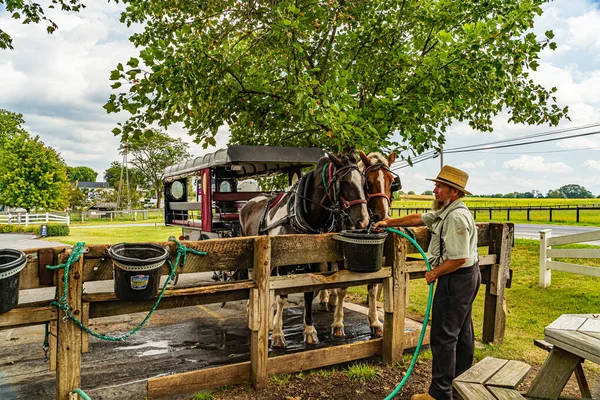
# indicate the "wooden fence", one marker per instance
pixel 547 252
pixel 262 254
pixel 506 210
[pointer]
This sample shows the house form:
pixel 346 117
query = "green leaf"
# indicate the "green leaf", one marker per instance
pixel 116 85
pixel 549 34
pixel 553 45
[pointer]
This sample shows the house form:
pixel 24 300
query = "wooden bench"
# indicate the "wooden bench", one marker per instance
pixel 579 374
pixel 492 379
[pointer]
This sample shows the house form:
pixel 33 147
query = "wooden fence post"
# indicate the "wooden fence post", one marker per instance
pixel 68 360
pixel 394 301
pixel 259 309
pixel 545 272
pixel 494 318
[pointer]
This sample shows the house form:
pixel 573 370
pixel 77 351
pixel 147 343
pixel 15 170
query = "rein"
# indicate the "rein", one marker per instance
pixel 332 187
pixel 375 167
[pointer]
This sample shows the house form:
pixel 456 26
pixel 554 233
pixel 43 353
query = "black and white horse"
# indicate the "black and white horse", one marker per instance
pixel 333 192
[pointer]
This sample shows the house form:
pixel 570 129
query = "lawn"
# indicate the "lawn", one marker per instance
pixel 108 235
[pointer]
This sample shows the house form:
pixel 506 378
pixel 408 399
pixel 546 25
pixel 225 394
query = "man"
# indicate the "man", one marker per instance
pixel 454 260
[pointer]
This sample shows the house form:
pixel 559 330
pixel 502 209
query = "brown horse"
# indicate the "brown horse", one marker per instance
pixel 380 182
pixel 323 200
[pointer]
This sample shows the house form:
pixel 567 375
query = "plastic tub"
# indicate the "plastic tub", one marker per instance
pixel 11 263
pixel 363 251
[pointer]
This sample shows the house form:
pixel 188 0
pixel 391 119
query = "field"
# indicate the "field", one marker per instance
pixel 586 217
pixel 112 235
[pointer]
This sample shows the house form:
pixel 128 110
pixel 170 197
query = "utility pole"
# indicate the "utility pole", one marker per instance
pixel 441 157
pixel 125 150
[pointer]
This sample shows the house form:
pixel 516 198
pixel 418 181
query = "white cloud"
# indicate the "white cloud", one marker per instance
pixel 472 165
pixel 592 164
pixel 536 164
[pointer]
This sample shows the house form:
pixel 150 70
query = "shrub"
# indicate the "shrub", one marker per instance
pixel 12 228
pixel 56 230
pixel 5 228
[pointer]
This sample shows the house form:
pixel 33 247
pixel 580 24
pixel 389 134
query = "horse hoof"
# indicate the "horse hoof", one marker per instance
pixel 311 339
pixel 377 331
pixel 338 332
pixel 278 342
pixel 324 307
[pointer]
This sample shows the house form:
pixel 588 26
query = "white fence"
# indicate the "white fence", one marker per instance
pixel 547 252
pixel 27 219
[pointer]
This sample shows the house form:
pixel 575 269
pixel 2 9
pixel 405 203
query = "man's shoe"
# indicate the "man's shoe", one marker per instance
pixel 423 396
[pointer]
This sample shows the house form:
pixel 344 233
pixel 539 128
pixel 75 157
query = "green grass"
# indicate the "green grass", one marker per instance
pixel 108 235
pixel 282 380
pixel 324 372
pixel 530 308
pixel 362 372
pixel 203 396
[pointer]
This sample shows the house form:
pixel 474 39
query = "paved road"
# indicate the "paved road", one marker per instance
pixel 532 231
pixel 25 241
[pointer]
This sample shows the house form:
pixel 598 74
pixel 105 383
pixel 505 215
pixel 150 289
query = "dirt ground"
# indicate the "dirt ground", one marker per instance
pixel 312 386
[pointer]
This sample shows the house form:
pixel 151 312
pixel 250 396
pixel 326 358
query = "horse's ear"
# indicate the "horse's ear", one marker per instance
pixel 352 156
pixel 364 158
pixel 391 158
pixel 336 161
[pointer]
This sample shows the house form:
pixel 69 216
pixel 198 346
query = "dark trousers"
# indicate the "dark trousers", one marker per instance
pixel 452 338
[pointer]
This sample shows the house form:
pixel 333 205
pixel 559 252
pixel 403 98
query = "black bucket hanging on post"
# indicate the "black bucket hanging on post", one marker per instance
pixel 11 263
pixel 363 250
pixel 137 269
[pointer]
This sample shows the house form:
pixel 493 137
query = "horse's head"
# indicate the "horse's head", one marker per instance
pixel 380 183
pixel 347 186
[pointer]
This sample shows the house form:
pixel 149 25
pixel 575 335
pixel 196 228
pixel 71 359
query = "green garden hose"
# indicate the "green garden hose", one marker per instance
pixel 416 354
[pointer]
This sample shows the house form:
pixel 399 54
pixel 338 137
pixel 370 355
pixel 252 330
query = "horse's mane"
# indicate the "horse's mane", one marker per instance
pixel 376 158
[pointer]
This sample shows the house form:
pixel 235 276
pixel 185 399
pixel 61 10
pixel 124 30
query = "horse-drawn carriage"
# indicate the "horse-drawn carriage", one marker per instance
pixel 204 195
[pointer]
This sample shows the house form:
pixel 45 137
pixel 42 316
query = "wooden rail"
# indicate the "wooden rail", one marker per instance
pixel 261 254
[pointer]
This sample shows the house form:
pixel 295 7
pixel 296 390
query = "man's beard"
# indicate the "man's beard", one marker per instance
pixel 437 205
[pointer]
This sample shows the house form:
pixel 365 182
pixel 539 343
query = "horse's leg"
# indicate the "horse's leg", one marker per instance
pixel 333 293
pixel 323 293
pixel 310 333
pixel 337 327
pixel 374 323
pixel 277 338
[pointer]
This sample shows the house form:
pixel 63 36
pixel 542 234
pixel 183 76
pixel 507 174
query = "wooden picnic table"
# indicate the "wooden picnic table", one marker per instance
pixel 575 338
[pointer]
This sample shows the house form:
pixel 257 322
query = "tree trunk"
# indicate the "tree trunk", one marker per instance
pixel 158 194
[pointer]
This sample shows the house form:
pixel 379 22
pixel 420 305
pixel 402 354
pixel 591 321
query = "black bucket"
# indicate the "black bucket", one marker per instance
pixel 11 264
pixel 363 251
pixel 137 269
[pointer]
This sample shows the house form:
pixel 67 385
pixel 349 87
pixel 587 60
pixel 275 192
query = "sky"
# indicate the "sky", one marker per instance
pixel 60 82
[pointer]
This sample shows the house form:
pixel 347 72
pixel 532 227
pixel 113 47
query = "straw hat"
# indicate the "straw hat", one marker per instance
pixel 453 177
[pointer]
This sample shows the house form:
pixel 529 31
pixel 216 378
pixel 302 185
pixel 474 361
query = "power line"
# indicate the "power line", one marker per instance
pixel 487 146
pixel 538 152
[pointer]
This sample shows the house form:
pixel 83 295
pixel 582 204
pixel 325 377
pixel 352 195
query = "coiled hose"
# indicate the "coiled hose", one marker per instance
pixel 416 353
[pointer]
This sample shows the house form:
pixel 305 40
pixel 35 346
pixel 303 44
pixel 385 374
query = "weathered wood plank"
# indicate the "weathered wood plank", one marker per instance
pixel 30 274
pixel 510 375
pixel 419 266
pixel 574 238
pixel 53 345
pixel 573 253
pixel 116 307
pixel 590 326
pixel 554 374
pixel 472 391
pixel 573 268
pixel 259 338
pixel 194 381
pixel 329 279
pixel 305 249
pixel 393 333
pixel 423 237
pixel 578 343
pixel 25 316
pixel 567 322
pixel 482 371
pixel 501 393
pixel 68 360
pixel 501 237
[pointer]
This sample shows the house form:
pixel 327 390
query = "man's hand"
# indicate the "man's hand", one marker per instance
pixel 431 276
pixel 381 224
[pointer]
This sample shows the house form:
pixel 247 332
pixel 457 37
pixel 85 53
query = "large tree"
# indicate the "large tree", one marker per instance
pixel 32 175
pixel 152 153
pixel 33 12
pixel 573 191
pixel 10 124
pixel 336 73
pixel 81 174
pixel 116 172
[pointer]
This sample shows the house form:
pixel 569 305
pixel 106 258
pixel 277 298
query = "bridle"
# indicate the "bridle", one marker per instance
pixel 396 185
pixel 332 186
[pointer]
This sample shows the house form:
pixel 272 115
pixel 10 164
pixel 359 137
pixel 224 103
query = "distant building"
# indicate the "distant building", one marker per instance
pixel 103 206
